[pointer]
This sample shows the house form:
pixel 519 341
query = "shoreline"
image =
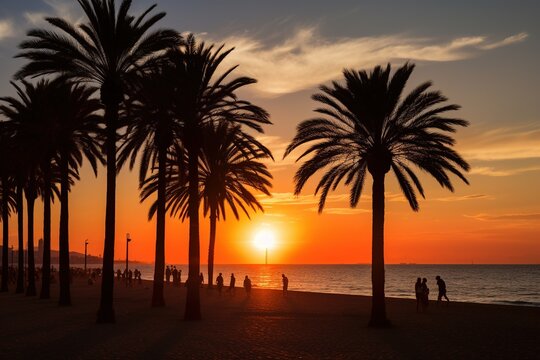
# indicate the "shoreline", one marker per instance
pixel 264 325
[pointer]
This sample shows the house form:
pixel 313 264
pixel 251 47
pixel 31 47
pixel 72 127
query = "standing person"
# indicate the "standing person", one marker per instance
pixel 425 294
pixel 247 285
pixel 219 282
pixel 201 279
pixel 175 276
pixel 285 281
pixel 418 293
pixel 168 274
pixel 232 283
pixel 179 276
pixel 442 290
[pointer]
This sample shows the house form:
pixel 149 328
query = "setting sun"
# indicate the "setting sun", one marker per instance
pixel 265 239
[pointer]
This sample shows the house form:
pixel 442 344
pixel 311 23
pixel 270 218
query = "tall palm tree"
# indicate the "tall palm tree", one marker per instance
pixel 106 50
pixel 54 120
pixel 7 197
pixel 230 166
pixel 366 125
pixel 202 98
pixel 153 130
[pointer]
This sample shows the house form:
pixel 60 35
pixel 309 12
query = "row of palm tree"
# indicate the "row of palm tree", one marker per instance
pixel 164 99
pixel 160 97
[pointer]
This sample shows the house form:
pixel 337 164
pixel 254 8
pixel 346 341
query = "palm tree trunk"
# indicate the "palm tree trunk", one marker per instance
pixel 46 264
pixel 20 234
pixel 64 274
pixel 106 311
pixel 211 246
pixel 159 265
pixel 30 200
pixel 378 310
pixel 193 301
pixel 5 234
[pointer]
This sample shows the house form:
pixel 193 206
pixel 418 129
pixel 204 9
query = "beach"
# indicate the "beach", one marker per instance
pixel 265 325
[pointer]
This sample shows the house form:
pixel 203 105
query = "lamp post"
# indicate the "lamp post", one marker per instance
pixel 128 239
pixel 85 252
pixel 266 256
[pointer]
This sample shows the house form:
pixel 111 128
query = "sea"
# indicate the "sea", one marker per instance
pixel 491 284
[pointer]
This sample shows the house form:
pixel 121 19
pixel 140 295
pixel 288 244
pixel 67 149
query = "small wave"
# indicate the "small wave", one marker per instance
pixel 520 303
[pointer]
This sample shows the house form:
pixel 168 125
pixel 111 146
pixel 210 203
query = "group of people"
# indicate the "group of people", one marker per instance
pixel 176 275
pixel 422 293
pixel 247 284
pixel 128 276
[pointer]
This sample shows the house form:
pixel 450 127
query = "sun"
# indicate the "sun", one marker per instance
pixel 265 239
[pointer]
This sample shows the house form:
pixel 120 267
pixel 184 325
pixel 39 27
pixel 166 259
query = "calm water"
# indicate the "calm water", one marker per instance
pixel 500 284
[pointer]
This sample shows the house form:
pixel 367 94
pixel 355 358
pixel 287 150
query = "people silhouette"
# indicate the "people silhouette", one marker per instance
pixel 247 285
pixel 219 282
pixel 201 279
pixel 168 274
pixel 175 276
pixel 425 294
pixel 442 290
pixel 418 293
pixel 285 281
pixel 232 284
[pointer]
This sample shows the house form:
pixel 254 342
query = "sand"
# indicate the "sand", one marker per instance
pixel 266 325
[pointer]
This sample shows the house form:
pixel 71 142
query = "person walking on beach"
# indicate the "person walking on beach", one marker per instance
pixel 285 281
pixel 425 294
pixel 175 276
pixel 247 285
pixel 168 274
pixel 418 293
pixel 201 279
pixel 442 290
pixel 219 282
pixel 232 284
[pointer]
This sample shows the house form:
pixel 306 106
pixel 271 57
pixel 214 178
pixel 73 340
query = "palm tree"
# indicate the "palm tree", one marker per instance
pixel 7 198
pixel 54 120
pixel 153 130
pixel 366 125
pixel 106 50
pixel 229 167
pixel 199 100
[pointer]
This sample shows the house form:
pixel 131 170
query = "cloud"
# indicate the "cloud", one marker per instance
pixel 6 29
pixel 305 59
pixel 505 143
pixel 465 198
pixel 68 10
pixel 511 217
pixel 340 210
pixel 506 41
pixel 288 198
pixel 491 171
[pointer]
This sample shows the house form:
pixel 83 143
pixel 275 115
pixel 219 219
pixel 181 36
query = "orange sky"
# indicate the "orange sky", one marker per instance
pixel 484 58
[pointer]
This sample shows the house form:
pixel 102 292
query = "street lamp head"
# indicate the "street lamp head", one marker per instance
pixel 128 237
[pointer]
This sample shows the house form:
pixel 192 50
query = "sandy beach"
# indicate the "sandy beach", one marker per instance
pixel 266 325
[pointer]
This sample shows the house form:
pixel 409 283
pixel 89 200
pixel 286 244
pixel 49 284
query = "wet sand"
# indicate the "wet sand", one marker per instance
pixel 266 325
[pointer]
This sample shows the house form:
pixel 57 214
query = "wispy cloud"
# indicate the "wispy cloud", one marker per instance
pixel 465 198
pixel 340 210
pixel 491 171
pixel 505 143
pixel 277 145
pixel 68 10
pixel 306 59
pixel 506 217
pixel 6 29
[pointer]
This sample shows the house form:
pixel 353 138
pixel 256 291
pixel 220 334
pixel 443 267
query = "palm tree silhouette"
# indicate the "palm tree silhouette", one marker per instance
pixel 229 167
pixel 55 121
pixel 152 131
pixel 365 125
pixel 7 196
pixel 200 99
pixel 106 50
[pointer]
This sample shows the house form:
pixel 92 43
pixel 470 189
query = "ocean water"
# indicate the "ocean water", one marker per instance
pixel 495 284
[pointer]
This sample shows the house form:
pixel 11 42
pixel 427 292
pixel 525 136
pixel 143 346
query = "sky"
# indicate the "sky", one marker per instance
pixel 482 55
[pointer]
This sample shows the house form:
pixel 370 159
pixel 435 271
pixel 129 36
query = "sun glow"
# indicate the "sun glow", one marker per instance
pixel 265 239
